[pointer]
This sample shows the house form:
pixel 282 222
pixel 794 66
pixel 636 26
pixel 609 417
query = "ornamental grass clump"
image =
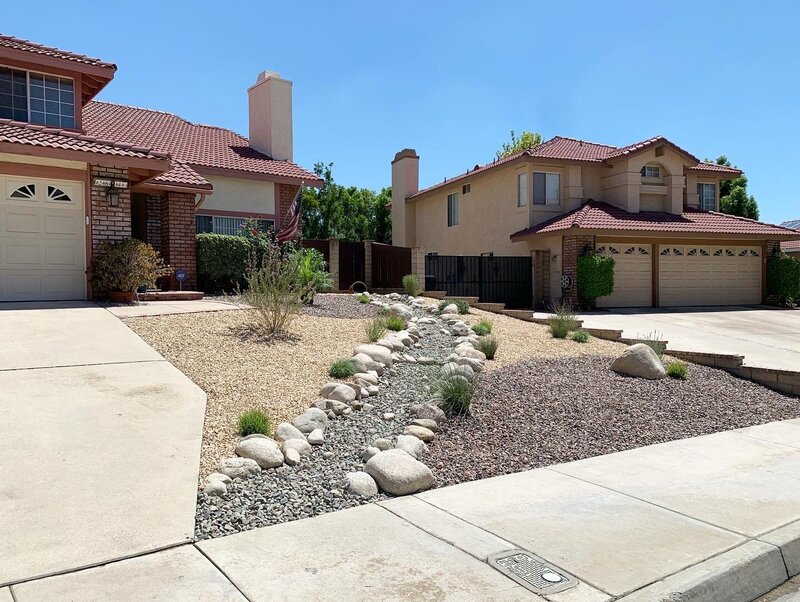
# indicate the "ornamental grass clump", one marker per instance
pixel 411 285
pixel 563 321
pixel 342 369
pixel 678 370
pixel 395 323
pixel 254 422
pixel 488 346
pixel 453 393
pixel 482 328
pixel 363 298
pixel 375 329
pixel 655 341
pixel 461 304
pixel 580 336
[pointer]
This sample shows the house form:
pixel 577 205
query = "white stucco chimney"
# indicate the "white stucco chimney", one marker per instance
pixel 405 182
pixel 270 107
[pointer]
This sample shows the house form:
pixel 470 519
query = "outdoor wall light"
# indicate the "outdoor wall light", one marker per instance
pixel 112 195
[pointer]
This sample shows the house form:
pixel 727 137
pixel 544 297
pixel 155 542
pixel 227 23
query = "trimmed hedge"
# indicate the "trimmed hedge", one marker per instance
pixel 222 261
pixel 783 278
pixel 595 277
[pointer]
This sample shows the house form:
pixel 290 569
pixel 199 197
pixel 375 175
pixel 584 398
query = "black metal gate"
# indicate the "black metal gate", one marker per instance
pixel 506 280
pixel 351 263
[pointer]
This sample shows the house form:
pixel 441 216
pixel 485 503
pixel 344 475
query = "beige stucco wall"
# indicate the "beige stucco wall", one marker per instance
pixel 248 196
pixel 31 160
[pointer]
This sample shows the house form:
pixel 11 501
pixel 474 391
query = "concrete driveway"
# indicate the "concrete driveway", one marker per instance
pixel 766 337
pixel 99 442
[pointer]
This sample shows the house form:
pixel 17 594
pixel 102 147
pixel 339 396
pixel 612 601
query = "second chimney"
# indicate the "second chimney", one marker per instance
pixel 270 108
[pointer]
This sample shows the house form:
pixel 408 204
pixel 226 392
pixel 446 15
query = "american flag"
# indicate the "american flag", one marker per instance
pixel 291 223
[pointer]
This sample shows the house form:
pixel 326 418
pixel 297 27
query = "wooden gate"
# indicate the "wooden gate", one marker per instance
pixel 389 265
pixel 351 263
pixel 506 280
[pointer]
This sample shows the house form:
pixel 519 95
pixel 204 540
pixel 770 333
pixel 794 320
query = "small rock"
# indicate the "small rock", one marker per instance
pixel 370 364
pixel 327 455
pixel 264 451
pixel 367 377
pixel 388 416
pixel 369 452
pixel 396 472
pixel 312 418
pixel 382 443
pixel 428 410
pixel 218 476
pixel 427 423
pixel 292 457
pixel 331 415
pixel 338 407
pixel 409 358
pixel 425 361
pixel 316 437
pixel 402 310
pixel 473 353
pixel 238 467
pixel 361 484
pixel 452 308
pixel 338 392
pixel 372 390
pixel 420 432
pixel 217 488
pixel 367 407
pixel 301 446
pixel 286 431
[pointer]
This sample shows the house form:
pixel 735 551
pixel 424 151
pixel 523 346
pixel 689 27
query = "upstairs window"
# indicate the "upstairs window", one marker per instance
pixel 37 98
pixel 546 188
pixel 522 189
pixel 651 172
pixel 707 194
pixel 452 209
pixel 465 189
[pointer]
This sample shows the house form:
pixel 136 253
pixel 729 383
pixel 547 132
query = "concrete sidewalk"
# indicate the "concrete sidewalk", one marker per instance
pixel 714 518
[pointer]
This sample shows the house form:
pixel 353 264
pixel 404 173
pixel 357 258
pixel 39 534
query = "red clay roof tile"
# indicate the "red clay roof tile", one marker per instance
pixel 28 46
pixel 182 175
pixel 792 245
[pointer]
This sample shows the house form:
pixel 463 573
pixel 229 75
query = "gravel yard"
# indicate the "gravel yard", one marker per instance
pixel 546 411
pixel 331 305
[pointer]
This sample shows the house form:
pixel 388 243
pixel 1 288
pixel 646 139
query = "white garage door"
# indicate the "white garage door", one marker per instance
pixel 709 275
pixel 42 252
pixel 633 275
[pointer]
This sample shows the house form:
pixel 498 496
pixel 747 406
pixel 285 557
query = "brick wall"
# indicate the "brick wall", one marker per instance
pixel 153 211
pixel 285 195
pixel 178 238
pixel 572 246
pixel 109 223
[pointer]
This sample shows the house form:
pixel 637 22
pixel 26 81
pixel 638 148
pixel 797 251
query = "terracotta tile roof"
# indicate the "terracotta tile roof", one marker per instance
pixel 791 245
pixel 573 149
pixel 602 216
pixel 194 144
pixel 182 175
pixel 28 46
pixel 46 137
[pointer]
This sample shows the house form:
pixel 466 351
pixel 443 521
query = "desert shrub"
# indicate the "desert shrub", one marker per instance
pixel 126 265
pixel 463 306
pixel 595 277
pixel 222 261
pixel 375 329
pixel 482 328
pixel 580 336
pixel 363 299
pixel 254 422
pixel 488 345
pixel 453 393
pixel 678 369
pixel 342 369
pixel 394 323
pixel 654 340
pixel 311 274
pixel 562 321
pixel 411 285
pixel 783 278
pixel 384 311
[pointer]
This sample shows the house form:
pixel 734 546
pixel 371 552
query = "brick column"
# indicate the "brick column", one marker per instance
pixel 333 263
pixel 541 278
pixel 418 264
pixel 109 223
pixel 368 263
pixel 178 238
pixel 284 195
pixel 153 209
pixel 572 246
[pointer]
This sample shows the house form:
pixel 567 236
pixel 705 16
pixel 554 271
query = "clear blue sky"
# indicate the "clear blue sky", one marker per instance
pixel 452 78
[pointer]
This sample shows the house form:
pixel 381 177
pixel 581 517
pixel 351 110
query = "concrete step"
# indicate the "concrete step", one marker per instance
pixel 470 300
pixel 492 307
pixel 520 314
pixel 435 294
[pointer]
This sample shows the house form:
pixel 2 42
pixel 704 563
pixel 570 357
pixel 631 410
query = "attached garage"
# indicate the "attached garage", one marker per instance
pixel 709 275
pixel 42 239
pixel 633 275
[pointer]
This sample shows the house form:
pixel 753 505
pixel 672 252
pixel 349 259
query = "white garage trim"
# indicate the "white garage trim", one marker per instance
pixel 42 239
pixel 633 274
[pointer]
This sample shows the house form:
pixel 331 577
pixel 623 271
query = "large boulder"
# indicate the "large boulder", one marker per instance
pixel 285 431
pixel 311 419
pixel 238 467
pixel 361 484
pixel 368 377
pixel 401 310
pixel 369 363
pixel 396 472
pixel 377 353
pixel 641 361
pixel 338 392
pixel 451 309
pixel 358 364
pixel 265 452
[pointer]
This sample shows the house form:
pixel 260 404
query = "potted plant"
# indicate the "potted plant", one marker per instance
pixel 122 267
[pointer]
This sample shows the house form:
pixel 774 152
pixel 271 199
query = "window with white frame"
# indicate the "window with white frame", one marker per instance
pixel 37 98
pixel 522 189
pixel 651 172
pixel 452 209
pixel 546 188
pixel 220 224
pixel 707 194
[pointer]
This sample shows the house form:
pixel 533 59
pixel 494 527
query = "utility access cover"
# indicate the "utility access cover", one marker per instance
pixel 532 572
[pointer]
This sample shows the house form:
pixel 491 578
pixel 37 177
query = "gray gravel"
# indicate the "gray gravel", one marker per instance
pixel 332 305
pixel 543 412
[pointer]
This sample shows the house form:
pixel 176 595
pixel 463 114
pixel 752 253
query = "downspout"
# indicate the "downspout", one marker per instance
pixel 200 202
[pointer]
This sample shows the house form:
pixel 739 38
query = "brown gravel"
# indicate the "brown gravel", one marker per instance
pixel 239 372
pixel 547 411
pixel 331 305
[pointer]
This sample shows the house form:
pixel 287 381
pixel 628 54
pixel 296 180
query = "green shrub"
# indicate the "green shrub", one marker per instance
pixel 342 369
pixel 411 285
pixel 563 321
pixel 254 422
pixel 395 323
pixel 783 278
pixel 222 261
pixel 126 265
pixel 488 345
pixel 595 277
pixel 678 369
pixel 363 298
pixel 453 393
pixel 463 306
pixel 482 328
pixel 375 329
pixel 384 311
pixel 654 340
pixel 580 336
pixel 311 274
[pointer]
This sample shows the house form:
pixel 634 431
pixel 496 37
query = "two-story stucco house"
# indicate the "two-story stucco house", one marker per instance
pixel 76 171
pixel 652 206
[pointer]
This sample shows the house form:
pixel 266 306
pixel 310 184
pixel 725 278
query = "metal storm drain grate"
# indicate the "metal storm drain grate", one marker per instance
pixel 532 572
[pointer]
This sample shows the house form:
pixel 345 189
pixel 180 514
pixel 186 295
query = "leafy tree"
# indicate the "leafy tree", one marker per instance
pixel 346 213
pixel 733 197
pixel 525 141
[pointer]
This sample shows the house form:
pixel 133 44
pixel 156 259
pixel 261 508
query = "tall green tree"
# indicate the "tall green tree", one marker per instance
pixel 733 197
pixel 525 141
pixel 346 213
